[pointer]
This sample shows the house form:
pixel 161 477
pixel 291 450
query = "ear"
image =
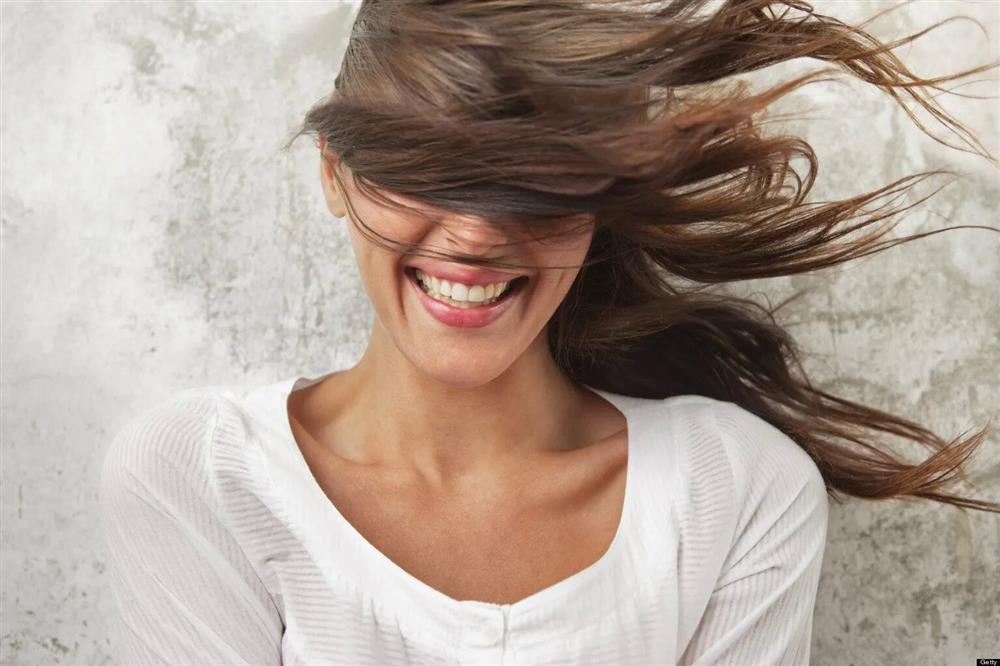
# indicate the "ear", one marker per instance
pixel 335 201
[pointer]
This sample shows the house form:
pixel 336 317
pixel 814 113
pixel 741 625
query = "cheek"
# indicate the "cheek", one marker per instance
pixel 390 225
pixel 374 259
pixel 563 266
pixel 569 252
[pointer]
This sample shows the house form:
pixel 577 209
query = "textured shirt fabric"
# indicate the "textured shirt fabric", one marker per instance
pixel 224 549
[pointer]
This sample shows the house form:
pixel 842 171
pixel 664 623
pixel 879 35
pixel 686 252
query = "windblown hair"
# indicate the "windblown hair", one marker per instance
pixel 535 113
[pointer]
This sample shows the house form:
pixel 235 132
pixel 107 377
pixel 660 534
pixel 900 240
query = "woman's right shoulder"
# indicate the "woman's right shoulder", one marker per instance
pixel 172 439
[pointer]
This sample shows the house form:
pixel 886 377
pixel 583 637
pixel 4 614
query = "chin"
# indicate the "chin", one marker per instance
pixel 457 372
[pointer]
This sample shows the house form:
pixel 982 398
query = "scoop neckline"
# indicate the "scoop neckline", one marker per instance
pixel 308 498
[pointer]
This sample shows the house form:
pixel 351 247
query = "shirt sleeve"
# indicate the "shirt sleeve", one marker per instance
pixel 185 591
pixel 761 608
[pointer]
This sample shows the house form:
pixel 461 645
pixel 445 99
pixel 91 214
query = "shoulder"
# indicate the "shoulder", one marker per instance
pixel 755 449
pixel 773 473
pixel 734 457
pixel 168 447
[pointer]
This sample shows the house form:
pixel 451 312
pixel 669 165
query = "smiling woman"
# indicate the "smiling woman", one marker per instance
pixel 558 446
pixel 412 316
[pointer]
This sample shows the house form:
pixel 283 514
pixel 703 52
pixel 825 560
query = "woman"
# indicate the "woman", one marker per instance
pixel 558 447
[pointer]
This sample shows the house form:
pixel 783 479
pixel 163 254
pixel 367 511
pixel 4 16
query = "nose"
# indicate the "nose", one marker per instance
pixel 474 235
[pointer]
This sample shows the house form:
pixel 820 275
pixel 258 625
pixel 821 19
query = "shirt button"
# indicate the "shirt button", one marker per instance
pixel 484 634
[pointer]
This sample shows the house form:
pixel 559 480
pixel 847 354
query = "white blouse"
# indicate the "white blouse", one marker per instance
pixel 224 550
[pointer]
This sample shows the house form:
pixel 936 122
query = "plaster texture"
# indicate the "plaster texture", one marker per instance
pixel 156 238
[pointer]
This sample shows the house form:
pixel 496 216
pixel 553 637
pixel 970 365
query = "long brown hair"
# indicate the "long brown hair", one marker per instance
pixel 538 112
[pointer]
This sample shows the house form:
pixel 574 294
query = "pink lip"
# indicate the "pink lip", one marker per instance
pixel 476 317
pixel 465 274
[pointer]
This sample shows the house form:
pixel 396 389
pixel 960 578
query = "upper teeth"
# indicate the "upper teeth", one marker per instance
pixel 457 291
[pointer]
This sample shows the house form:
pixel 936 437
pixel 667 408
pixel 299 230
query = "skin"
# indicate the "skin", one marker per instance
pixel 485 443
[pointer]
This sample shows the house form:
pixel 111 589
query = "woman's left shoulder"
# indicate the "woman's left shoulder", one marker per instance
pixel 762 460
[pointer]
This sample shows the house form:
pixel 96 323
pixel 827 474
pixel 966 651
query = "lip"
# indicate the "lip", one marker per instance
pixel 465 274
pixel 449 315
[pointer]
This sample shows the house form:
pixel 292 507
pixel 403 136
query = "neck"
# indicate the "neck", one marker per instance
pixel 397 416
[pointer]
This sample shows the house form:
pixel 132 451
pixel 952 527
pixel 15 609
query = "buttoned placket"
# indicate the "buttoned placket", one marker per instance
pixel 484 637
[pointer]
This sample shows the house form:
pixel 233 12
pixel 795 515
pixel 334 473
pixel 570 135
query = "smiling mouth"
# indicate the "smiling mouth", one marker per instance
pixel 513 288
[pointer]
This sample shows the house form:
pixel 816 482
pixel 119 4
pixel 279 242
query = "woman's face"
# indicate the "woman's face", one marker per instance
pixel 456 339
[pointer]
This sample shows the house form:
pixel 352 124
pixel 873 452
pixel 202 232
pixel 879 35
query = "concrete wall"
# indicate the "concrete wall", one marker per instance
pixel 155 238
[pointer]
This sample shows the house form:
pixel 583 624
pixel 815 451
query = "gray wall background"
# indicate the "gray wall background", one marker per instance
pixel 155 238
